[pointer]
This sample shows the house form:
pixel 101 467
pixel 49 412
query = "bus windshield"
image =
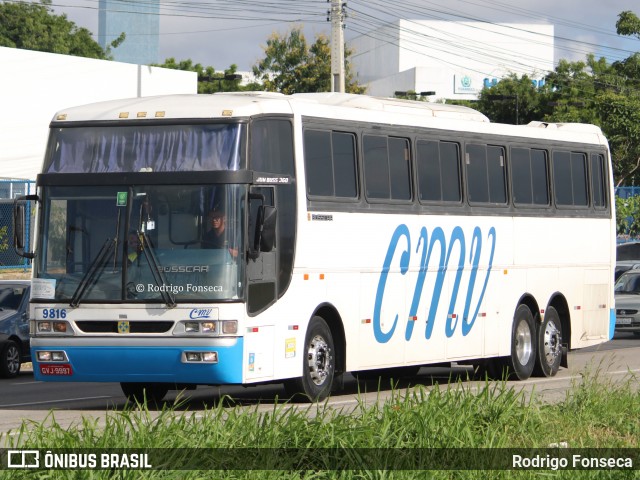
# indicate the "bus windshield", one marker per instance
pixel 152 244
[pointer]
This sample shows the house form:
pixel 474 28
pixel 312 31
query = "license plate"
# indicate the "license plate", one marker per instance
pixel 623 320
pixel 57 369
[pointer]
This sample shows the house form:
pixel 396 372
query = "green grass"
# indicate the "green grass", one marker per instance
pixel 594 414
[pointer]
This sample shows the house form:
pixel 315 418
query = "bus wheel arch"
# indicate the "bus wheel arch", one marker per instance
pixel 331 316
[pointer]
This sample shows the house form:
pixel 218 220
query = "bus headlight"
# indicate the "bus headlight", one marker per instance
pixel 53 327
pixel 207 327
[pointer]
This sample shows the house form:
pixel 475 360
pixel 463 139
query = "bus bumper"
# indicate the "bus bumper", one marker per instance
pixel 140 364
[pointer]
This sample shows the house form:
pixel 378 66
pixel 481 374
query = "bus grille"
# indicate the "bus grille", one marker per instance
pixel 90 326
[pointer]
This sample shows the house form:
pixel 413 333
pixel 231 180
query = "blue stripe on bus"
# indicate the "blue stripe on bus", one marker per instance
pixel 612 323
pixel 146 364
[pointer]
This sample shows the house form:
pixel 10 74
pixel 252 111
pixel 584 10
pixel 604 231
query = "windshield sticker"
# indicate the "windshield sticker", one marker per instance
pixel 121 199
pixel 43 288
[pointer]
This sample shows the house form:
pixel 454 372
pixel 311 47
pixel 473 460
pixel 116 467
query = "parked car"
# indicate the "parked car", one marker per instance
pixel 627 293
pixel 627 257
pixel 14 326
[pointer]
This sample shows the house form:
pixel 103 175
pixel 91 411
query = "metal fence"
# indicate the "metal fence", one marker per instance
pixel 10 189
pixel 626 192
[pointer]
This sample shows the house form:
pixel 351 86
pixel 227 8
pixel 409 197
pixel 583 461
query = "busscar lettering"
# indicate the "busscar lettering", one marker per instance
pixel 451 253
pixel 183 268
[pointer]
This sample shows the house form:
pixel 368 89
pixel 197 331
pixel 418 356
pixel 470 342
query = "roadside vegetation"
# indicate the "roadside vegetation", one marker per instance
pixel 454 418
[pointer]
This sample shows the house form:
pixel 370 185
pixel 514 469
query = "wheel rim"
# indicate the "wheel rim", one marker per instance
pixel 524 345
pixel 13 360
pixel 319 360
pixel 551 343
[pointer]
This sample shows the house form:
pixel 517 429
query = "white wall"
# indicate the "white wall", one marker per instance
pixel 34 85
pixel 451 58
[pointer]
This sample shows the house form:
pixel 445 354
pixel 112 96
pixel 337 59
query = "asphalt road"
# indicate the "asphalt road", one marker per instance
pixel 23 398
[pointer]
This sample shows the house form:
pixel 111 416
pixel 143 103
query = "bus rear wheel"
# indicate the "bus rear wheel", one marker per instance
pixel 523 344
pixel 318 366
pixel 144 392
pixel 549 344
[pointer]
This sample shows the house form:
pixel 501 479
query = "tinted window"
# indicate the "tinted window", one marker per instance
pixel 386 167
pixel 399 159
pixel 562 178
pixel 344 164
pixel 272 146
pixel 570 178
pixel 540 177
pixel 495 171
pixel 521 176
pixel 376 166
pixel 438 171
pixel 450 165
pixel 485 173
pixel 476 160
pixel 318 164
pixel 598 184
pixel 330 163
pixel 529 176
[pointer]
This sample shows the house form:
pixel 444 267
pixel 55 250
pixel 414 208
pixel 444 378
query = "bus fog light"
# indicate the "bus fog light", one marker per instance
pixel 211 357
pixel 230 326
pixel 191 327
pixel 51 356
pixel 208 327
pixel 58 356
pixel 44 356
pixel 193 356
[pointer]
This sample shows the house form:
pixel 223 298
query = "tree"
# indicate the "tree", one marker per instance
pixel 512 100
pixel 33 26
pixel 210 81
pixel 291 66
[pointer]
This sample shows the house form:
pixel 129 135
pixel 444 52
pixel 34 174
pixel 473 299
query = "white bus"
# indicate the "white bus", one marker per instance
pixel 255 237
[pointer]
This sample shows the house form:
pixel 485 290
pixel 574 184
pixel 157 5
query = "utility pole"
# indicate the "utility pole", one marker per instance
pixel 336 16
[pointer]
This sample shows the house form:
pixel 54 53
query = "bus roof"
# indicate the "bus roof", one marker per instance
pixel 325 105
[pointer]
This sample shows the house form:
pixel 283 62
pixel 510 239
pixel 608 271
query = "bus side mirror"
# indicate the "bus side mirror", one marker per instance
pixel 20 223
pixel 268 228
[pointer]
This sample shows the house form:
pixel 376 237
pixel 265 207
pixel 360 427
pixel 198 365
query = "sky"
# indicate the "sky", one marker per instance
pixel 219 33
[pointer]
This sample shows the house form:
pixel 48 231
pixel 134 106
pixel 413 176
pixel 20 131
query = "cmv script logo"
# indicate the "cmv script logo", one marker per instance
pixel 425 246
pixel 198 313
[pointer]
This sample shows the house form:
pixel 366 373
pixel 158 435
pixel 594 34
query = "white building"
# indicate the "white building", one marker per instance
pixel 452 59
pixel 35 85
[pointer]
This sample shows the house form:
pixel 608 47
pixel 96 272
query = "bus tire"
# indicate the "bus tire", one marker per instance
pixel 549 342
pixel 142 393
pixel 523 344
pixel 9 359
pixel 318 367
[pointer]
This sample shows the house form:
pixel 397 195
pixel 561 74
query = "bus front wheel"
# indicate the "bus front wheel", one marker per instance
pixel 318 365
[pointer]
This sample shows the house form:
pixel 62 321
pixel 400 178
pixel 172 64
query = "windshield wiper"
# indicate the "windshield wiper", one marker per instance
pixel 94 267
pixel 158 275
